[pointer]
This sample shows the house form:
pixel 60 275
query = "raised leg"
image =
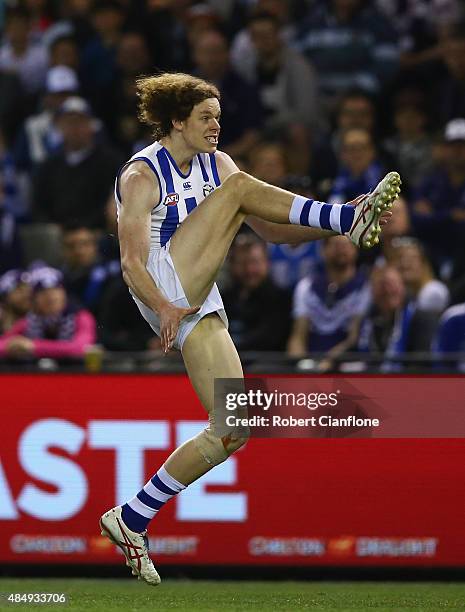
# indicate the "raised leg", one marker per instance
pixel 200 244
pixel 202 241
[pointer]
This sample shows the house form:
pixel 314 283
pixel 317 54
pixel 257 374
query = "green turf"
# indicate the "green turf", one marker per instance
pixel 130 595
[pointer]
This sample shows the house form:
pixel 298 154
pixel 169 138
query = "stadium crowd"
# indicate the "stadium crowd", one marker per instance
pixel 318 96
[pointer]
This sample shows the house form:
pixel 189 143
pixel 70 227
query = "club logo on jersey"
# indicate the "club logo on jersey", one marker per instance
pixel 187 186
pixel 171 199
pixel 207 189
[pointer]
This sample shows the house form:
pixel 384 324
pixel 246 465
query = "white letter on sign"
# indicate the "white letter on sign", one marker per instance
pixel 7 505
pixel 60 472
pixel 195 504
pixel 129 439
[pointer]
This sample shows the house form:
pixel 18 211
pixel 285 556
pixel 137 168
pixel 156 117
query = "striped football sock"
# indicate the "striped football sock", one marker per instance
pixel 336 217
pixel 140 510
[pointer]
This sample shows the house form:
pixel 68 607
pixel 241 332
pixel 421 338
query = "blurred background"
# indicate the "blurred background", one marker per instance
pixel 321 97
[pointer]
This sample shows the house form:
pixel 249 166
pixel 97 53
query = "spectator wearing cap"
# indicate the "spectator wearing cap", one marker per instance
pixel 54 327
pixel 15 298
pixel 72 186
pixel 39 137
pixel 438 211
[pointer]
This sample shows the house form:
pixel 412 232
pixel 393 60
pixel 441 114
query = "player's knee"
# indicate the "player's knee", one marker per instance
pixel 214 449
pixel 237 183
pixel 233 444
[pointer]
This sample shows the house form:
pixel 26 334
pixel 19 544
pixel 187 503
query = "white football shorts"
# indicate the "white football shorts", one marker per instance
pixel 160 266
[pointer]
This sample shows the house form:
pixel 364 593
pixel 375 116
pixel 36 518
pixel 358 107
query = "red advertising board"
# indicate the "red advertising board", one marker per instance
pixel 74 446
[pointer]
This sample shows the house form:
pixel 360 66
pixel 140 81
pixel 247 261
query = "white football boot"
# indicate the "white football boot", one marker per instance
pixel 365 229
pixel 135 546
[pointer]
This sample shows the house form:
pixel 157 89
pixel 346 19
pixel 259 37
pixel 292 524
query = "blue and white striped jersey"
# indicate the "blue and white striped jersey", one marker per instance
pixel 179 193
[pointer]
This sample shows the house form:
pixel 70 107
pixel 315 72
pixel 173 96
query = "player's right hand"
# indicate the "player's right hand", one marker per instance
pixel 170 318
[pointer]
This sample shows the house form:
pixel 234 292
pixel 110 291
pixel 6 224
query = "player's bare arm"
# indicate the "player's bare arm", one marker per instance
pixel 139 192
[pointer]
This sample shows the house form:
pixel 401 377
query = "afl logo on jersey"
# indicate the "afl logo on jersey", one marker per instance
pixel 171 199
pixel 207 189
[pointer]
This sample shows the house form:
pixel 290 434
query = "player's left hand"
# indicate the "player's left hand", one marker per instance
pixel 170 319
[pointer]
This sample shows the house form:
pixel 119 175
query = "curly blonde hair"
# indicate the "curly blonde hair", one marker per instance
pixel 170 96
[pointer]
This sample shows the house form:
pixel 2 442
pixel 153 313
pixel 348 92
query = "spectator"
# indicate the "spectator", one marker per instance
pixel 240 106
pixel 163 25
pixel 12 104
pixel 39 137
pixel 13 193
pixel 11 254
pixel 423 289
pixel 98 58
pixel 351 44
pixel 356 110
pixel 288 263
pixel 360 170
pixel 268 162
pixel 284 11
pixel 85 275
pixel 121 328
pixel 20 55
pixel 257 309
pixel 15 298
pixel 450 337
pixel 53 328
pixel 451 92
pixel 72 187
pixel 63 51
pixel 410 147
pixel 329 304
pixel 394 326
pixel 74 21
pixel 41 16
pixel 438 212
pixel 119 107
pixel 287 86
pixel 108 246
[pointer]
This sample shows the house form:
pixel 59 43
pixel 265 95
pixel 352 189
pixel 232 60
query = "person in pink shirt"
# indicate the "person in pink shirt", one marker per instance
pixel 54 327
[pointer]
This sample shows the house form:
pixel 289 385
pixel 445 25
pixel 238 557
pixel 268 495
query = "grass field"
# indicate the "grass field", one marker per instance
pixel 130 595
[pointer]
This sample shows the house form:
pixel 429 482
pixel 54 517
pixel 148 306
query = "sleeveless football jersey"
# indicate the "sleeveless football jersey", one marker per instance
pixel 179 193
